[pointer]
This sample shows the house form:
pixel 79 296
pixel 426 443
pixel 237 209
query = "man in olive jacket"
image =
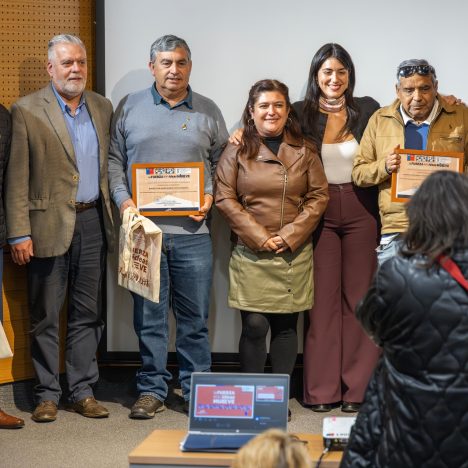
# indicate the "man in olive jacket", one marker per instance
pixel 420 120
pixel 58 212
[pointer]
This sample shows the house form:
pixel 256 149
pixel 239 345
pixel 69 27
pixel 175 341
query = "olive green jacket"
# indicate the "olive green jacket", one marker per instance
pixel 385 130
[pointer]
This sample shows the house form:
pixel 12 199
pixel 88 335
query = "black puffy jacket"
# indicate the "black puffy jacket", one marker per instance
pixel 415 412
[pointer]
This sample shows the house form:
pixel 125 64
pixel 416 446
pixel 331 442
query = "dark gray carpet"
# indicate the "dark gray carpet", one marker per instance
pixel 75 441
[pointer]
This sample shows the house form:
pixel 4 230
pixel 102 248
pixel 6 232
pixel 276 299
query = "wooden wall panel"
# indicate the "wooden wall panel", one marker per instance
pixel 25 28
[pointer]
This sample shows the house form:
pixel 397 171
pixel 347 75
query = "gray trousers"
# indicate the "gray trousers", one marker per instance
pixel 79 273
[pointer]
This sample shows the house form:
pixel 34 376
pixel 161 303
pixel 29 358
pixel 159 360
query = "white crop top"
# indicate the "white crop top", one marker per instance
pixel 338 160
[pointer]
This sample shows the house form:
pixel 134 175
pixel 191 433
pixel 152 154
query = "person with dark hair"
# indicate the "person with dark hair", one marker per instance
pixel 415 409
pixel 338 356
pixel 272 191
pixel 170 123
pixel 59 224
pixel 419 119
pixel 6 421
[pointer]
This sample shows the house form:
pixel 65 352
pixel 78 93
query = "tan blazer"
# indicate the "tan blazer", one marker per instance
pixel 42 175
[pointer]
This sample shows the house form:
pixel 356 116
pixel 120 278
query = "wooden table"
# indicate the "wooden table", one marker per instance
pixel 161 449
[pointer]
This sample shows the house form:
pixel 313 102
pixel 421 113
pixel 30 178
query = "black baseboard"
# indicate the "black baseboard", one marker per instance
pixel 122 358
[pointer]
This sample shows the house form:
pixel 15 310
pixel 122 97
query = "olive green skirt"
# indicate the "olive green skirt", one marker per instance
pixel 265 282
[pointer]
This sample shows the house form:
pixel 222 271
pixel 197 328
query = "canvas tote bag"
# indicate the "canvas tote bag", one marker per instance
pixel 5 350
pixel 139 255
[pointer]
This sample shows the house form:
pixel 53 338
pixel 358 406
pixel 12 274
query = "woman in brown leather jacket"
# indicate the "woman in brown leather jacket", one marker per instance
pixel 272 191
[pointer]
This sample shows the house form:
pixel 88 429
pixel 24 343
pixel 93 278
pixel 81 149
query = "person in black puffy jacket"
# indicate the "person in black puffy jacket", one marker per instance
pixel 415 412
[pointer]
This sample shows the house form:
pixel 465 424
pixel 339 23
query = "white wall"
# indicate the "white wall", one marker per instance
pixel 236 43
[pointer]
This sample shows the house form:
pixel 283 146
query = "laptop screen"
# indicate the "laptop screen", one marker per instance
pixel 238 403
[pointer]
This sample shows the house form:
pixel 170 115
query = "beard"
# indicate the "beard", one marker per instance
pixel 70 89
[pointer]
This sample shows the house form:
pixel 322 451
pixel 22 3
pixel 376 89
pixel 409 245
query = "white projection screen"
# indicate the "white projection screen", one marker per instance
pixel 234 44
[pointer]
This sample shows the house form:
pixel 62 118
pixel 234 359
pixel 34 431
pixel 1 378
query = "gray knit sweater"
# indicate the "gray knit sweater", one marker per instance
pixel 145 129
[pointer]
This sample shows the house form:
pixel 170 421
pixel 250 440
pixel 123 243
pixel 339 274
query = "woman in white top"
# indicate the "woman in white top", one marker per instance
pixel 338 356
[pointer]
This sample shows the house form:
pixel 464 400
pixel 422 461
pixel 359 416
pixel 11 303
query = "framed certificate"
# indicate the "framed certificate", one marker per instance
pixel 416 165
pixel 168 189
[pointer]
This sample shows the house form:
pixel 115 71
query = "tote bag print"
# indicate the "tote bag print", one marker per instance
pixel 5 350
pixel 139 255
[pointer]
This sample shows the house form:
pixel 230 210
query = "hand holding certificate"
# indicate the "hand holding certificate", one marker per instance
pixel 416 165
pixel 169 189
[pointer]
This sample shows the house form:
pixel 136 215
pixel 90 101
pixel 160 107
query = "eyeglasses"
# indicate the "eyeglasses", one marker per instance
pixel 410 70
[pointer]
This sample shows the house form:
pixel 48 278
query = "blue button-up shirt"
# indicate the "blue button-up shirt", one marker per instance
pixel 86 146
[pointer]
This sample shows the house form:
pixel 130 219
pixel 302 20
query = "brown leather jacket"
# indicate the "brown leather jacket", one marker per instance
pixel 284 194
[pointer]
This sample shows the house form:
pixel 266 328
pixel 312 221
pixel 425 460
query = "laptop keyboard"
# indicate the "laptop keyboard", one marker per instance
pixel 216 441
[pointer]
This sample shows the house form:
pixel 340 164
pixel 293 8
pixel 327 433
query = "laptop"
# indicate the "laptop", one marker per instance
pixel 227 410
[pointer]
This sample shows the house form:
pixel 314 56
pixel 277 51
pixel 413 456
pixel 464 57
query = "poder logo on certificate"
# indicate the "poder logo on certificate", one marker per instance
pixel 168 189
pixel 416 165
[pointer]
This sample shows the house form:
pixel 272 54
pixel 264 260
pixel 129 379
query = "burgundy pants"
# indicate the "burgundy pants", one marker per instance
pixel 338 356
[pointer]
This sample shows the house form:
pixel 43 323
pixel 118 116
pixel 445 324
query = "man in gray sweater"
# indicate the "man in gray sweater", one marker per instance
pixel 168 122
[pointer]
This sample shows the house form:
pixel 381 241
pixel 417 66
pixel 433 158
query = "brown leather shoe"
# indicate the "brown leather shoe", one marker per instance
pixel 10 422
pixel 146 407
pixel 46 411
pixel 89 407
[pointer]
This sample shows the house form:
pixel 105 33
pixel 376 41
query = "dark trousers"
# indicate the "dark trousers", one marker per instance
pixel 79 272
pixel 283 344
pixel 338 355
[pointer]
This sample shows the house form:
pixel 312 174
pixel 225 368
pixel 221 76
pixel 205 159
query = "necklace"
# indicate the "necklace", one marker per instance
pixel 332 105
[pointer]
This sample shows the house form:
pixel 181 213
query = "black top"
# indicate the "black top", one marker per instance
pixel 273 143
pixel 366 105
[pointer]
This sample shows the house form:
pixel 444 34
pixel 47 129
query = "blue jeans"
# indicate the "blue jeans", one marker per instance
pixel 186 270
pixel 388 250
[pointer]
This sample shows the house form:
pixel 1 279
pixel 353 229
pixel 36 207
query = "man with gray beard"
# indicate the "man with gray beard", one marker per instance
pixel 58 214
